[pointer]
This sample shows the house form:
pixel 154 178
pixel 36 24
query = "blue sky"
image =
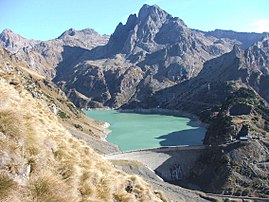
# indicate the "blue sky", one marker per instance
pixel 47 19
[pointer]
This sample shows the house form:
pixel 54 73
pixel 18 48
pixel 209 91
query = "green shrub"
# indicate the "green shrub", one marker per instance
pixel 62 114
pixel 78 127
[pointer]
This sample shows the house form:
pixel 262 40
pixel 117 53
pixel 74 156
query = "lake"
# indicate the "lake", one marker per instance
pixel 133 131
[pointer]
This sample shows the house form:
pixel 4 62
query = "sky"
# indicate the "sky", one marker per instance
pixel 47 19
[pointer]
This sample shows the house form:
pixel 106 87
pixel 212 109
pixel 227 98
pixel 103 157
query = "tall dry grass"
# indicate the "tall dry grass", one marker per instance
pixel 46 163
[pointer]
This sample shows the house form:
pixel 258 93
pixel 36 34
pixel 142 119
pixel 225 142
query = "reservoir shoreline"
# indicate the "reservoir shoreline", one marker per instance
pixel 154 111
pixel 160 111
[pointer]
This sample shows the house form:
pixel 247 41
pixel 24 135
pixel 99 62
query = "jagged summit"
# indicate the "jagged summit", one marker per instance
pixel 154 12
pixel 13 42
pixel 7 31
pixel 152 29
pixel 152 50
pixel 163 50
pixel 237 50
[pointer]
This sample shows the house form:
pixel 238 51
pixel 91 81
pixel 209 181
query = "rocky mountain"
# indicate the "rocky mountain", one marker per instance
pixel 44 56
pixel 153 61
pixel 230 95
pixel 249 67
pixel 153 50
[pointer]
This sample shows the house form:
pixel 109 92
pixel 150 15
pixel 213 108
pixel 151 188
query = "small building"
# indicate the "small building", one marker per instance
pixel 244 138
pixel 243 135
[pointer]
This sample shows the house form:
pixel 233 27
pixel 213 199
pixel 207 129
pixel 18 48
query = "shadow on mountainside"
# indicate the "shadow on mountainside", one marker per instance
pixel 70 57
pixel 184 137
pixel 194 136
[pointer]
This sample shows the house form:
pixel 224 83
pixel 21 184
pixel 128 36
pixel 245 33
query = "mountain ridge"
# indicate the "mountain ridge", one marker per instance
pixel 161 48
pixel 142 44
pixel 44 56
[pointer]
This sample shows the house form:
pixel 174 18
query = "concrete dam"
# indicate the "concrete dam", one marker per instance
pixel 170 163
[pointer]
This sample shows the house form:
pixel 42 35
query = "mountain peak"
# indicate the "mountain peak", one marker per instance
pixel 9 33
pixel 147 7
pixel 237 51
pixel 153 11
pixel 13 41
pixel 72 32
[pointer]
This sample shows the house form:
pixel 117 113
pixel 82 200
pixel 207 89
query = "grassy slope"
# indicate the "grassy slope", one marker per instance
pixel 41 161
pixel 80 125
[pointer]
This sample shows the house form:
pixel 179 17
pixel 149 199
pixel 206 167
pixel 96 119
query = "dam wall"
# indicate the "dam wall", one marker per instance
pixel 170 163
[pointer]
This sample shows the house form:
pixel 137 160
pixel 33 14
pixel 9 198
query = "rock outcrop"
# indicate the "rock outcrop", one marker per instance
pixel 240 109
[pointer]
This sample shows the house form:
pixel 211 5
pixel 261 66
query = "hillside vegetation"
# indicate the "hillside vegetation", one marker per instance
pixel 42 161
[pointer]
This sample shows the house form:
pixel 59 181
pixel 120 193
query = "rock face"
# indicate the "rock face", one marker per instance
pixel 211 86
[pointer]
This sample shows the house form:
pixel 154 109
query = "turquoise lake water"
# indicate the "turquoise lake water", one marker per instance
pixel 132 131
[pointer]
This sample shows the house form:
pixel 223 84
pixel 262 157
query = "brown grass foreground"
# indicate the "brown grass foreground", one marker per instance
pixel 41 161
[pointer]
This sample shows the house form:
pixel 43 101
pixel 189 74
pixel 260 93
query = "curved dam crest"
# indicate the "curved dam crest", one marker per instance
pixel 135 131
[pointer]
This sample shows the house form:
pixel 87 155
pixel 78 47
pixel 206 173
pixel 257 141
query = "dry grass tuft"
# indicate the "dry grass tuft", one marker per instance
pixel 47 187
pixel 10 124
pixel 7 186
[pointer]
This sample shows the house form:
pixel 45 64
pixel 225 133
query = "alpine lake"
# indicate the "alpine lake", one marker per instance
pixel 135 131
